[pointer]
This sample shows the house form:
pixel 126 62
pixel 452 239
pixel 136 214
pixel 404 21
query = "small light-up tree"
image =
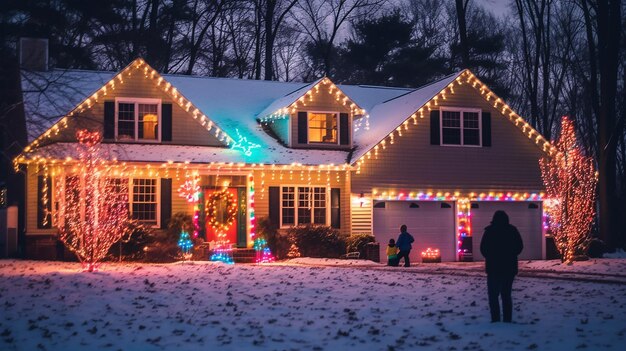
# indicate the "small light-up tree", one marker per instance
pixel 570 179
pixel 92 212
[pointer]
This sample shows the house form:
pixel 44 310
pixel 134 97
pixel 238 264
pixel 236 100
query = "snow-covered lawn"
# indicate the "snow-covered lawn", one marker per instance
pixel 301 305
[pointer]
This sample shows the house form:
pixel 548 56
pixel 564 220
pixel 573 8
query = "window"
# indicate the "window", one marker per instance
pixel 138 119
pixel 144 201
pixel 460 127
pixel 323 127
pixel 142 196
pixel 303 205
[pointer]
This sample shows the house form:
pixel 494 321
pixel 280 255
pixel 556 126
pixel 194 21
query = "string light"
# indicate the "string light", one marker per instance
pixel 186 245
pixel 299 102
pixel 464 228
pixel 570 179
pixel 431 256
pixel 141 67
pixel 92 211
pixel 475 83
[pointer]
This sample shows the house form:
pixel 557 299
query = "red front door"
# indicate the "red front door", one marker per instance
pixel 231 232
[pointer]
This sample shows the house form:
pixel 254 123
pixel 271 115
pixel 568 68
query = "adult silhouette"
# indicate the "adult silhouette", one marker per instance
pixel 500 246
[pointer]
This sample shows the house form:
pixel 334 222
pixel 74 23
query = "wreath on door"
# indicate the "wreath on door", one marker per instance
pixel 214 202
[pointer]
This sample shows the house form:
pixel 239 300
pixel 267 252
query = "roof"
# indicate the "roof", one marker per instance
pixel 233 105
pixel 388 115
pixel 193 154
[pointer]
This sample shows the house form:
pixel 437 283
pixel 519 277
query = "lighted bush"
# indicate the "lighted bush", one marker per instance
pixel 357 242
pixel 318 241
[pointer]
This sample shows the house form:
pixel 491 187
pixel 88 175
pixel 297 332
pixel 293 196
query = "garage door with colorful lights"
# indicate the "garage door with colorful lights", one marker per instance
pixel 454 225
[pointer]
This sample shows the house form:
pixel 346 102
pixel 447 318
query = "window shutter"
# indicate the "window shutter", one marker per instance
pixel 166 122
pixel 166 201
pixel 344 129
pixel 44 210
pixel 486 126
pixel 109 119
pixel 275 205
pixel 434 128
pixel 303 128
pixel 335 208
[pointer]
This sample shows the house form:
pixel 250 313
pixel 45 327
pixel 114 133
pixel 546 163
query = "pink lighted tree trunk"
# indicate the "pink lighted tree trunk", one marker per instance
pixel 92 212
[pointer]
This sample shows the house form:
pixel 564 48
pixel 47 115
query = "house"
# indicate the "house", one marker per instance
pixel 363 159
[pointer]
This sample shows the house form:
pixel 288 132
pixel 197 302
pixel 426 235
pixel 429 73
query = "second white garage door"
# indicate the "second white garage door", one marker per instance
pixel 526 216
pixel 432 224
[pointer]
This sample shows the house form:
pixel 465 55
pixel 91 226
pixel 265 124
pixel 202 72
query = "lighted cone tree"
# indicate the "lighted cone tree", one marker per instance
pixel 263 252
pixel 92 212
pixel 570 179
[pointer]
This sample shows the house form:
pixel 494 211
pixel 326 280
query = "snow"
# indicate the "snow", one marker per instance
pixel 232 104
pixel 387 116
pixel 617 254
pixel 192 154
pixel 302 304
pixel 287 100
pixel 48 96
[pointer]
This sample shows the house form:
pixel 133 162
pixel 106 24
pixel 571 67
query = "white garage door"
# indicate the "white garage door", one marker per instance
pixel 431 223
pixel 526 216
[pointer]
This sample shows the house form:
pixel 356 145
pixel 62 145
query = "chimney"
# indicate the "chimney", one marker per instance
pixel 34 54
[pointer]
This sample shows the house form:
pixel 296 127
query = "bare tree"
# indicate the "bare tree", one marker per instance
pixel 322 21
pixel 273 13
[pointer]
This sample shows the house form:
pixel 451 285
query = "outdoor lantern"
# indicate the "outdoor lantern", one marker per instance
pixel 431 256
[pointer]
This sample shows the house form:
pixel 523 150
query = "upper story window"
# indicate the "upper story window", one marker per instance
pixel 138 119
pixel 323 127
pixel 460 126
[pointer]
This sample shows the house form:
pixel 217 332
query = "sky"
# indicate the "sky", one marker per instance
pixel 498 7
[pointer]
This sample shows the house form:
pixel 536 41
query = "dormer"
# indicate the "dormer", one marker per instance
pixel 317 116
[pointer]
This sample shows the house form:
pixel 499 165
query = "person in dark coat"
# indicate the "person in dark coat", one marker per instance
pixel 404 245
pixel 500 246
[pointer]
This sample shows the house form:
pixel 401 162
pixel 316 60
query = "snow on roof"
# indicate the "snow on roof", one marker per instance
pixel 287 99
pixel 233 104
pixel 388 115
pixel 192 154
pixel 49 96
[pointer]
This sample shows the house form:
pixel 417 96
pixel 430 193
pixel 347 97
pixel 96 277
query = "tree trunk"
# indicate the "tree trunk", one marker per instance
pixel 270 35
pixel 609 30
pixel 460 14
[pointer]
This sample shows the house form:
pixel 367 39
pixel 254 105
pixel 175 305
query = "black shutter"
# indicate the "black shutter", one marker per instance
pixel 166 201
pixel 434 128
pixel 109 119
pixel 303 129
pixel 344 129
pixel 335 208
pixel 166 122
pixel 43 210
pixel 486 128
pixel 275 205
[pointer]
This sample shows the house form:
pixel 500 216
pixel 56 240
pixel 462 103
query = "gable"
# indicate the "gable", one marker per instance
pixel 137 80
pixel 320 94
pixel 395 116
pixel 412 164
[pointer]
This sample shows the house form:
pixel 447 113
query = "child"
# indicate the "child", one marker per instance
pixel 392 253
